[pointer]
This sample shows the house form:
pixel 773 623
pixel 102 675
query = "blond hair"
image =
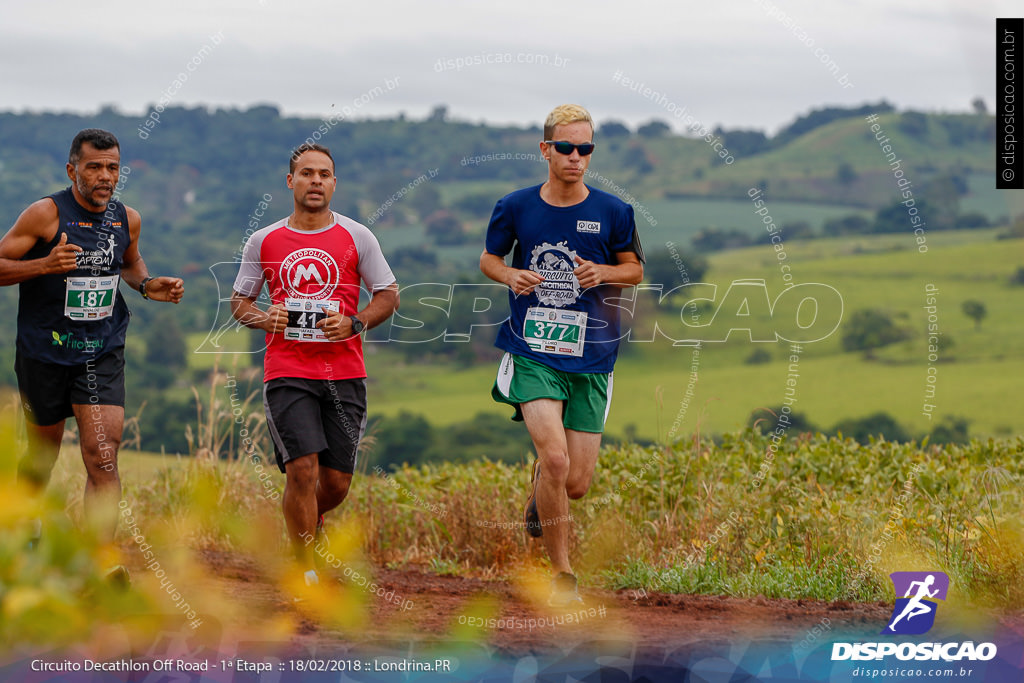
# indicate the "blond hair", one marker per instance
pixel 563 115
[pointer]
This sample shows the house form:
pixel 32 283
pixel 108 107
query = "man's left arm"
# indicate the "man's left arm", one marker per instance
pixel 134 271
pixel 383 303
pixel 626 272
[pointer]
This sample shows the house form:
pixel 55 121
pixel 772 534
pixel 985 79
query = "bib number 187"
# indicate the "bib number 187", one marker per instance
pixel 90 298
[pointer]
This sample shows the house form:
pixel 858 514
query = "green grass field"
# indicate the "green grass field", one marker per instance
pixel 974 378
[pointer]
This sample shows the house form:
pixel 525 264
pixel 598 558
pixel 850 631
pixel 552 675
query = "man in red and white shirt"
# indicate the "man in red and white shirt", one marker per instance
pixel 314 377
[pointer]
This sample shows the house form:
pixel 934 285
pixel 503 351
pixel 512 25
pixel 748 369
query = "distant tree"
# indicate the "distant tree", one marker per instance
pixel 637 159
pixel 444 227
pixel 914 124
pixel 425 199
pixel 845 174
pixel 765 419
pixel 797 230
pixel 438 113
pixel 978 105
pixel 485 435
pixel 475 204
pixel 972 220
pixel 942 195
pixel 821 117
pixel 165 342
pixel 869 329
pixel 257 346
pixel 673 268
pixel 613 129
pixel 895 218
pixel 758 356
pixel 952 429
pixel 404 438
pixel 879 424
pixel 1016 230
pixel 744 143
pixel 853 224
pixel 719 239
pixel 653 129
pixel 975 310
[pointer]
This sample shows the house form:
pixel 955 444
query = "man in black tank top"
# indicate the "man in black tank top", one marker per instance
pixel 68 253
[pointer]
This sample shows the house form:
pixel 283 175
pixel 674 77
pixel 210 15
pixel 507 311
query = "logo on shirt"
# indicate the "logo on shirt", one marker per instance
pixel 97 258
pixel 555 263
pixel 310 273
pixel 588 226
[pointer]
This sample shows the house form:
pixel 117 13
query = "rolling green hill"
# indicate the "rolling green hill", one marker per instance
pixel 975 377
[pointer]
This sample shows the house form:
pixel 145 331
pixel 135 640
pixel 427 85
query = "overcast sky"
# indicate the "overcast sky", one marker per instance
pixel 737 63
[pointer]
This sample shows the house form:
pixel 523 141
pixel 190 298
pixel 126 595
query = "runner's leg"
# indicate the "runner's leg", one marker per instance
pixel 583 451
pixel 543 419
pixel 99 433
pixel 331 490
pixel 300 504
pixel 36 465
pixel 343 414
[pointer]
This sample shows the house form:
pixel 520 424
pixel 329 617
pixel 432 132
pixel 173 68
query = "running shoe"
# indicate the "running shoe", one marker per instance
pixel 564 592
pixel 312 578
pixel 531 518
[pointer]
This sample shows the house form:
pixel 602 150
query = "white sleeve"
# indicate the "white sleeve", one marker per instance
pixel 250 278
pixel 373 268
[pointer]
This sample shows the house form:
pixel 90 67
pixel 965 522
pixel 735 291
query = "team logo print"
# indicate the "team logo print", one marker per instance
pixel 914 613
pixel 97 258
pixel 310 273
pixel 555 263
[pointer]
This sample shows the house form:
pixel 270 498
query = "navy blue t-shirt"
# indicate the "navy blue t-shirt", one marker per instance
pixel 546 239
pixel 71 318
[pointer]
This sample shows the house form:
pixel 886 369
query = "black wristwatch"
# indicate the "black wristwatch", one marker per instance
pixel 142 287
pixel 357 325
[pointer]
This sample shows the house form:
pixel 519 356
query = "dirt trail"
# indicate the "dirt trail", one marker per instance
pixel 654 622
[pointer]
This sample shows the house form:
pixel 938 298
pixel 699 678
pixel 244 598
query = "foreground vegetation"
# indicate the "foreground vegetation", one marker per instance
pixel 824 519
pixel 819 518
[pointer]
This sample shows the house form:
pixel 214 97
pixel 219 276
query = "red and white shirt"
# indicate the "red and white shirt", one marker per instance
pixel 314 266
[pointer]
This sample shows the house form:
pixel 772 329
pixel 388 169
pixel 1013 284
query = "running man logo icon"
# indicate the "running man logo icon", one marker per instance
pixel 914 613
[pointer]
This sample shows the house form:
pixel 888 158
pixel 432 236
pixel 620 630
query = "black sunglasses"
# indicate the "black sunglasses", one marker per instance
pixel 563 147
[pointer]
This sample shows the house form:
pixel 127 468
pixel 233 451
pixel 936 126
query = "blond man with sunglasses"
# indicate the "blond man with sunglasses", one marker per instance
pixel 573 249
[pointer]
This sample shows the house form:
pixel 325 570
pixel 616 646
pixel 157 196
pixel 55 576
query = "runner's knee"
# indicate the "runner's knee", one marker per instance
pixel 336 489
pixel 302 473
pixel 577 489
pixel 555 467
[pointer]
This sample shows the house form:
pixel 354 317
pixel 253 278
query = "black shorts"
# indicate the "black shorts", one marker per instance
pixel 321 416
pixel 48 390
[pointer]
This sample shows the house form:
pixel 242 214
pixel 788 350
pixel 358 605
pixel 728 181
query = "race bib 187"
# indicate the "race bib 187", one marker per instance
pixel 90 298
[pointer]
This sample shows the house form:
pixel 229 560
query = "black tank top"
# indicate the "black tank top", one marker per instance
pixel 71 318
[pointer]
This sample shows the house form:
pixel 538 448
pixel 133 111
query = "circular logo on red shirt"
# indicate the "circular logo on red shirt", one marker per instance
pixel 310 274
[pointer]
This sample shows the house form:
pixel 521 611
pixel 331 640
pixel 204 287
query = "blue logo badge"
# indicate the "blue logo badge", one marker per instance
pixel 914 612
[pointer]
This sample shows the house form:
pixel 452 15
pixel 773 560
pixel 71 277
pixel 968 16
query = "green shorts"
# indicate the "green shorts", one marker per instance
pixel 586 396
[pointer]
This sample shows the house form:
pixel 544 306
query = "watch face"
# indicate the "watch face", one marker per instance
pixel 357 324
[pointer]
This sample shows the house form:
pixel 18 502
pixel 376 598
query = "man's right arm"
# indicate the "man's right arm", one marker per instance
pixel 37 222
pixel 245 310
pixel 519 281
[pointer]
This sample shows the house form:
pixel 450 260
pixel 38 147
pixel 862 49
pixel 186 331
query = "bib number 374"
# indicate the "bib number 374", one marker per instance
pixel 554 331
